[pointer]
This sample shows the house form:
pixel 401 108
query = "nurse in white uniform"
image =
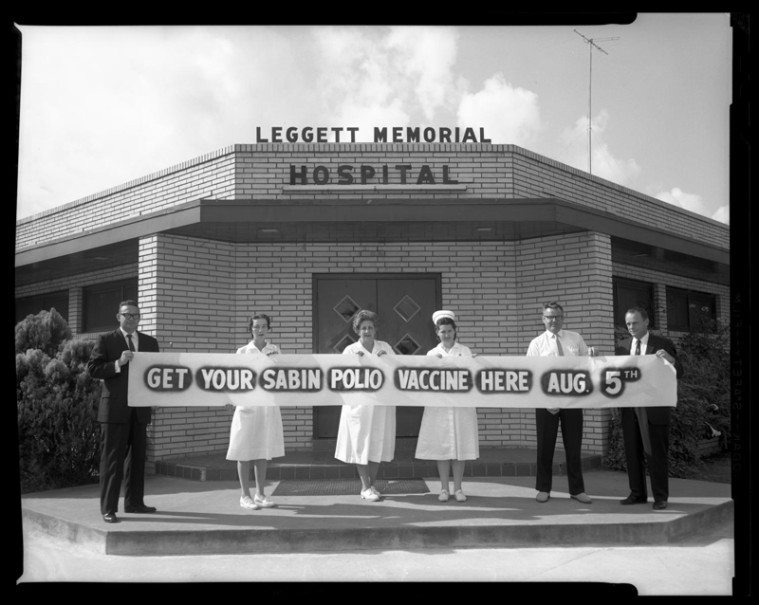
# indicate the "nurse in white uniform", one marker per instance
pixel 256 433
pixel 366 435
pixel 449 434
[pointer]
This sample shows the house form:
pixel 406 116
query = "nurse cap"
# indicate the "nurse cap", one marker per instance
pixel 441 314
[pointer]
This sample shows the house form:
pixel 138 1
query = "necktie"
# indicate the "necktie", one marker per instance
pixel 129 342
pixel 560 351
pixel 643 417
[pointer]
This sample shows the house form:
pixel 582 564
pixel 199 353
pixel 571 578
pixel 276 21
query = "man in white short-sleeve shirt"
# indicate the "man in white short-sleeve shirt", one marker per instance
pixel 558 342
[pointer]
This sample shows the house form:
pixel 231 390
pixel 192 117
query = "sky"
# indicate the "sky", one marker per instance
pixel 101 106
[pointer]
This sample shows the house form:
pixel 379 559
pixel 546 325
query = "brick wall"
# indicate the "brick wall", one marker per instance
pixel 495 296
pixel 187 290
pixel 277 279
pixel 476 282
pixel 211 175
pixel 263 171
pixel 196 294
pixel 538 176
pixel 490 171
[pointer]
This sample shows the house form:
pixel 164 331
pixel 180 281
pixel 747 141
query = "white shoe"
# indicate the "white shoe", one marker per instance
pixel 376 491
pixel 368 494
pixel 247 502
pixel 460 497
pixel 443 497
pixel 263 502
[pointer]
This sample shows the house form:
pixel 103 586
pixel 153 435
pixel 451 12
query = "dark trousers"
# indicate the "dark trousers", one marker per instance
pixel 120 443
pixel 547 428
pixel 637 461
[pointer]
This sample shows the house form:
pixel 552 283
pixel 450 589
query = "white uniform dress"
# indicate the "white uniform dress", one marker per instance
pixel 366 432
pixel 256 432
pixel 449 433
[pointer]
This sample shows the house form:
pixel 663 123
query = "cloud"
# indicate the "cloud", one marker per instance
pixel 385 76
pixel 574 151
pixel 509 114
pixel 426 56
pixel 722 214
pixel 678 197
pixel 102 106
pixel 694 203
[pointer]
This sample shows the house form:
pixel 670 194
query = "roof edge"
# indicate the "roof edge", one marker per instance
pixel 333 147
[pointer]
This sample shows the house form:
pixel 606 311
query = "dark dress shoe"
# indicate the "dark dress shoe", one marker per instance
pixel 110 518
pixel 633 500
pixel 660 505
pixel 140 508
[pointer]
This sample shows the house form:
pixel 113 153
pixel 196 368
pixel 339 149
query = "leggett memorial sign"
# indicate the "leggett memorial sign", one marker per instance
pixel 386 174
pixel 395 134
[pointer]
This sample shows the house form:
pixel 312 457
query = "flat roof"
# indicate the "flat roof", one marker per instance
pixel 345 220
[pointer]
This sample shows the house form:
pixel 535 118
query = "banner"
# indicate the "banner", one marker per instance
pixel 215 379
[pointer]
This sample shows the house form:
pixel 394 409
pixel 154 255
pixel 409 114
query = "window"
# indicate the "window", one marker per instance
pixel 632 293
pixel 690 311
pixel 31 305
pixel 101 303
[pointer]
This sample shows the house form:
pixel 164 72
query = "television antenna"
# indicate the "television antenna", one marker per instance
pixel 592 43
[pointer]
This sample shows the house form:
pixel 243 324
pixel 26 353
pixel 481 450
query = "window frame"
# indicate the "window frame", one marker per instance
pixel 126 289
pixel 633 284
pixel 690 298
pixel 43 306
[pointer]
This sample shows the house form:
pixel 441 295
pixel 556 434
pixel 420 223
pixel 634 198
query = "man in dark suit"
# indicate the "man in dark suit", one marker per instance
pixel 645 430
pixel 123 429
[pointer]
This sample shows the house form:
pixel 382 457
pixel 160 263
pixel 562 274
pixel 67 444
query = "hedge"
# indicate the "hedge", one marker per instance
pixel 59 439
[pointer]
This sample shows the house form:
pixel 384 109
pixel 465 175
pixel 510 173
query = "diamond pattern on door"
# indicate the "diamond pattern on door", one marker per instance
pixel 406 345
pixel 404 303
pixel 406 308
pixel 346 308
pixel 342 343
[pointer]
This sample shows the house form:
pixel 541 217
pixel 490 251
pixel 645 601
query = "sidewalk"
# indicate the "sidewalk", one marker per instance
pixel 201 534
pixel 700 567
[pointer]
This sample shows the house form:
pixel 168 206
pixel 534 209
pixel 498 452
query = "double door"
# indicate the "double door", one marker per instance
pixel 404 303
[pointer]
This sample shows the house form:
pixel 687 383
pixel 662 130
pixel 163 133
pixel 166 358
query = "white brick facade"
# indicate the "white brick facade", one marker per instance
pixel 210 288
pixel 196 294
pixel 262 172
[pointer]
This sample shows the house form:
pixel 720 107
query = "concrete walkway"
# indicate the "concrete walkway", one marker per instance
pixel 700 567
pixel 200 534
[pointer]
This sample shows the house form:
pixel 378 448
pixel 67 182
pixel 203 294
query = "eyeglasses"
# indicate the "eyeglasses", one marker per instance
pixel 130 315
pixel 550 317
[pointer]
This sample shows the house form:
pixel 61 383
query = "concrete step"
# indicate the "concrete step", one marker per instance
pixel 196 517
pixel 321 464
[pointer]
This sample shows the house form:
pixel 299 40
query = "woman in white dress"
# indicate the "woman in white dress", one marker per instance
pixel 448 434
pixel 256 432
pixel 366 435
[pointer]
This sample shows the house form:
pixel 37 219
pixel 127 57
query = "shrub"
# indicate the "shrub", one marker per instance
pixel 59 443
pixel 45 331
pixel 703 403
